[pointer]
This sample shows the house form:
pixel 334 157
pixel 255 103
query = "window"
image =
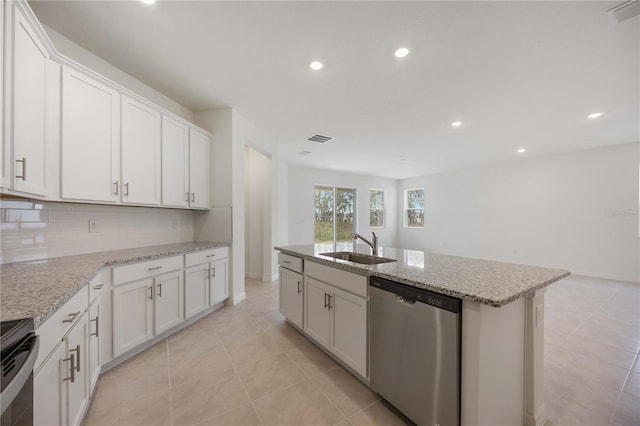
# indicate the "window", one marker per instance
pixel 334 215
pixel 376 208
pixel 414 208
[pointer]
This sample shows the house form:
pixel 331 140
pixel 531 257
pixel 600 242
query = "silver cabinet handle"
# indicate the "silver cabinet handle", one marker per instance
pixel 126 189
pixel 155 268
pixel 329 305
pixel 115 187
pixel 160 290
pixel 299 290
pixel 97 326
pixel 208 274
pixel 326 303
pixel 72 370
pixel 193 197
pixel 286 262
pixel 186 196
pixel 77 351
pixel 150 293
pixel 71 317
pixel 211 255
pixel 98 287
pixel 24 169
pixel 213 272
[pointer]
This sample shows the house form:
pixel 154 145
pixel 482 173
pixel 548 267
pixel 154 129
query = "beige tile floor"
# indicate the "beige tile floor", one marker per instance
pixel 244 365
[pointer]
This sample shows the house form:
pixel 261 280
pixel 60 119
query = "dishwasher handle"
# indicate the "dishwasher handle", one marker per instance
pixel 410 294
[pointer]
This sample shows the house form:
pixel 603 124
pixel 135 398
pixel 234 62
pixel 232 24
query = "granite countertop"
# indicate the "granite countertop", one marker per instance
pixel 483 281
pixel 36 289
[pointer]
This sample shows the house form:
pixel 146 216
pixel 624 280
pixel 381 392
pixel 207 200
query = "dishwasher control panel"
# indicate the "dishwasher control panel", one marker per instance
pixel 415 294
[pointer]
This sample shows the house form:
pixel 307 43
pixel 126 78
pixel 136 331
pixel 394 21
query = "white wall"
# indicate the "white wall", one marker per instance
pixel 577 211
pixel 84 57
pixel 257 202
pixel 302 181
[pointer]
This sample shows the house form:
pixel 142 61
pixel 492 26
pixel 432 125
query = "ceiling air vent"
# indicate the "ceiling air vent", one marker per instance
pixel 318 138
pixel 624 11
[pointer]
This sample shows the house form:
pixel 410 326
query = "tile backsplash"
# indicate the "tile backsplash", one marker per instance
pixel 35 230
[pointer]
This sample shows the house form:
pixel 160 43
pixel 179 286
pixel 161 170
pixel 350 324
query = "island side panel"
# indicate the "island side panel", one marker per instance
pixel 535 408
pixel 492 364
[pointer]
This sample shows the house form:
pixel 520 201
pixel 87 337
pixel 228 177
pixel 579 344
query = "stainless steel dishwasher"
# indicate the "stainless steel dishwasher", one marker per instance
pixel 414 341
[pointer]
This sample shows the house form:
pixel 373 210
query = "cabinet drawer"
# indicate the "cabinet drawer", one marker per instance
pixel 95 287
pixel 354 283
pixel 206 256
pixel 124 274
pixel 53 329
pixel 290 262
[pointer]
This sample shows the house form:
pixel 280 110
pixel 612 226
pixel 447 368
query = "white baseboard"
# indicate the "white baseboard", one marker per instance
pixel 635 280
pixel 239 298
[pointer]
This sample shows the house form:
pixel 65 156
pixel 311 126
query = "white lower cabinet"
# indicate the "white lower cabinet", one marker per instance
pixel 132 315
pixel 196 290
pixel 168 302
pixel 61 393
pixel 291 300
pixel 337 320
pixel 205 280
pixel 147 307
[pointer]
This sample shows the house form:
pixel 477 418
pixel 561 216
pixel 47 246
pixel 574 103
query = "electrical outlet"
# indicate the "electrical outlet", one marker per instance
pixel 93 226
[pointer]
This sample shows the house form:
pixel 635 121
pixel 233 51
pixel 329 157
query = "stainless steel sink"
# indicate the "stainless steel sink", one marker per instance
pixel 358 257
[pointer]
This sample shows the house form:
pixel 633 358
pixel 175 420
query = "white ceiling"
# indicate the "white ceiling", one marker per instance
pixel 517 74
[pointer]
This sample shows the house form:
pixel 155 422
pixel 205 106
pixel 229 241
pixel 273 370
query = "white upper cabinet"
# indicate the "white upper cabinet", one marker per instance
pixel 198 170
pixel 90 139
pixel 140 153
pixel 26 106
pixel 175 163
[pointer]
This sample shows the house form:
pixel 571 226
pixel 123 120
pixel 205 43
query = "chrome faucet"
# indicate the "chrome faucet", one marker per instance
pixel 373 245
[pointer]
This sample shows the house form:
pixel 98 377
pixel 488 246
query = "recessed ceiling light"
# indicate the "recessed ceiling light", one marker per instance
pixel 315 65
pixel 521 150
pixel 594 115
pixel 456 123
pixel 148 1
pixel 402 52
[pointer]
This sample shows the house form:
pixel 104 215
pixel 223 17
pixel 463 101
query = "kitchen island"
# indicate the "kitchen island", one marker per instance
pixel 502 322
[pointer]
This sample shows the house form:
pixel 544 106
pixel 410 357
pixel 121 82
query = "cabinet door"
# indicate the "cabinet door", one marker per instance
pixel 198 170
pixel 175 163
pixel 77 389
pixel 140 153
pixel 90 139
pixel 29 74
pixel 219 283
pixel 291 300
pixel 169 305
pixel 196 289
pixel 48 391
pixel 132 315
pixel 94 343
pixel 349 330
pixel 317 320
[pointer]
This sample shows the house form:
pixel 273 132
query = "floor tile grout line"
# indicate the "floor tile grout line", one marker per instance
pixel 624 385
pixel 244 388
pixel 170 385
pixel 329 399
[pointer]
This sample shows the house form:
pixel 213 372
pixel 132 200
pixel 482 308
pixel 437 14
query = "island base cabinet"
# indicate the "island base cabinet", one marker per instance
pixel 317 322
pixel 349 330
pixel 337 320
pixel 291 296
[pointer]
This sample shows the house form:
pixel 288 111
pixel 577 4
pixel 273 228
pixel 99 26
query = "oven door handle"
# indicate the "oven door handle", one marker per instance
pixel 15 385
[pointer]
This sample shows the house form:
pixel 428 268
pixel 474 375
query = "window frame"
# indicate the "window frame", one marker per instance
pixel 335 212
pixel 371 209
pixel 406 208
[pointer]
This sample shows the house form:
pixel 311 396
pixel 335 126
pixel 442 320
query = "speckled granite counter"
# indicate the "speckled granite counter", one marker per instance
pixel 483 281
pixel 37 289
